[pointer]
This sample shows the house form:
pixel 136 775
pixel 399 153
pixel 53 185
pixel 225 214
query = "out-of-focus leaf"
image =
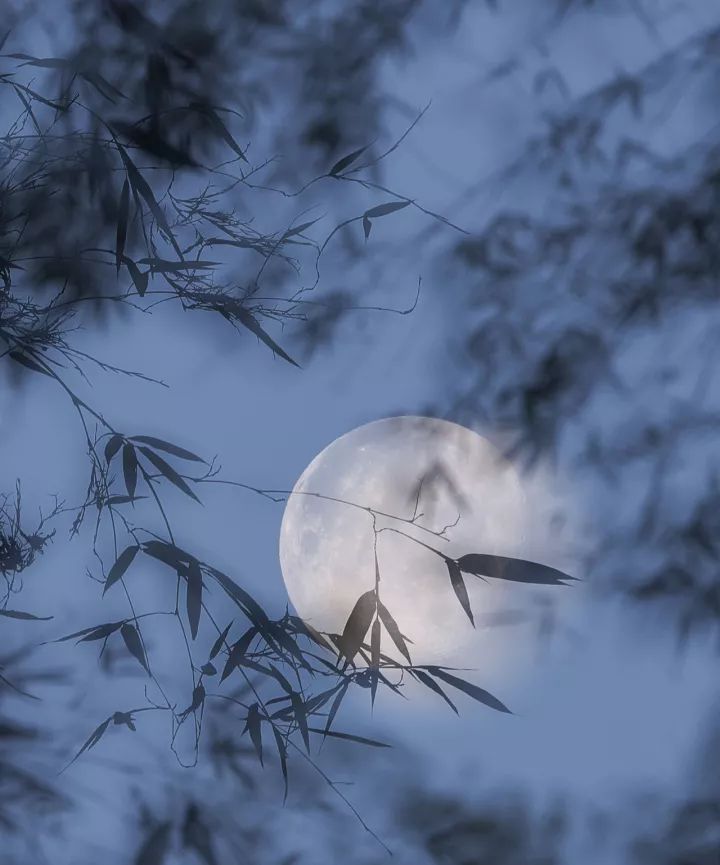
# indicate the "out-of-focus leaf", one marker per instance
pixel 194 597
pixel 29 362
pixel 385 209
pixel 430 683
pixel 153 143
pixel 112 447
pixel 122 224
pixel 130 469
pixel 517 570
pixel 156 846
pixel 468 688
pixel 349 737
pixel 458 584
pixel 117 571
pixel 253 726
pixel 346 161
pixel 168 472
pixel 130 635
pixel 248 320
pixel 357 625
pixel 218 644
pixel 391 626
pixel 17 614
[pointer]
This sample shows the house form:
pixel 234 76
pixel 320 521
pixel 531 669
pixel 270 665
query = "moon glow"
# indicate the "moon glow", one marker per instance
pixel 426 480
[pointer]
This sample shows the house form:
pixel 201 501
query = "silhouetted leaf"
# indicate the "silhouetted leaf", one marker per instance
pixel 209 669
pixel 124 719
pixel 96 632
pixel 349 737
pixel 282 754
pixel 367 226
pixel 170 448
pixel 393 630
pixel 468 688
pixel 130 635
pixel 124 560
pixel 112 447
pixel 162 265
pixel 385 209
pixel 459 587
pixel 298 229
pixel 17 614
pixel 237 651
pixel 374 658
pixel 346 161
pixel 130 469
pixel 211 114
pixel 218 644
pixel 141 188
pixel 245 601
pixel 357 625
pixel 517 570
pixel 253 726
pixel 194 597
pixel 300 717
pixel 250 322
pixel 122 224
pixel 168 471
pixel 169 554
pixel 335 706
pixel 433 686
pixel 92 740
pixel 198 698
pixel 139 278
pixel 308 630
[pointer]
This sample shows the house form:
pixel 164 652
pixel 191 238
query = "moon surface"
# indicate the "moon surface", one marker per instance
pixel 413 479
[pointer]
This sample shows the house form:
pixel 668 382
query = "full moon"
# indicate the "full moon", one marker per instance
pixel 388 488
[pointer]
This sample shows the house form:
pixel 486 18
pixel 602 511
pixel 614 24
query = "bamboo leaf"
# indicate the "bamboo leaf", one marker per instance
pixel 169 447
pixel 468 688
pixel 122 224
pixel 168 472
pixel 194 597
pixel 250 322
pixel 282 753
pixel 459 588
pixel 130 635
pixel 516 570
pixel 112 447
pixel 124 560
pixel 385 209
pixel 357 625
pixel 346 161
pixel 349 737
pixel 430 683
pixel 130 469
pixel 253 725
pixel 18 614
pixel 218 644
pixel 391 626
